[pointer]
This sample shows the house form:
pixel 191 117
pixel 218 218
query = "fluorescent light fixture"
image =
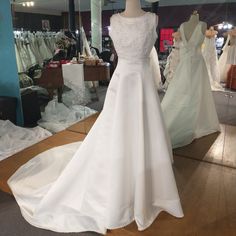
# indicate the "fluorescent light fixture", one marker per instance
pixel 28 4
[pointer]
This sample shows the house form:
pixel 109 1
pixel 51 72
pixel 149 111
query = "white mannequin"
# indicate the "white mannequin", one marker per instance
pixel 133 9
pixel 190 25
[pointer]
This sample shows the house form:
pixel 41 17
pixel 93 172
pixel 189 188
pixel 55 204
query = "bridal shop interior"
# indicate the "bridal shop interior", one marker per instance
pixel 59 67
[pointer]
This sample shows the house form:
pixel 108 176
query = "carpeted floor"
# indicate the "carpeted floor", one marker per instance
pixel 13 224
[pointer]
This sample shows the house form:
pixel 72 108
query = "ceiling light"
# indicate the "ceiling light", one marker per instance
pixel 28 4
pixel 220 26
pixel 230 26
pixel 225 26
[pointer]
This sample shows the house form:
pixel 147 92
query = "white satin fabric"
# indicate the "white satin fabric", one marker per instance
pixel 122 171
pixel 188 106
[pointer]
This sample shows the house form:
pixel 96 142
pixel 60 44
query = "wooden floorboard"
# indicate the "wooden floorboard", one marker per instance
pixel 85 125
pixel 207 193
pixel 11 164
pixel 218 148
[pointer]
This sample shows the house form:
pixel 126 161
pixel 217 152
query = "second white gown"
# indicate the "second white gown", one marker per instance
pixel 188 106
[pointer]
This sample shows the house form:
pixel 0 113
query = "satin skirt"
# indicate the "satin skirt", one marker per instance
pixel 121 172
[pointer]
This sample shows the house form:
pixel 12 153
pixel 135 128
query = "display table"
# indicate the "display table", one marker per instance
pixel 73 76
pixel 96 73
pixel 51 79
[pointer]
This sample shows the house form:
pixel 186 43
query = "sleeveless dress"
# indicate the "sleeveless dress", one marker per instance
pixel 122 171
pixel 188 106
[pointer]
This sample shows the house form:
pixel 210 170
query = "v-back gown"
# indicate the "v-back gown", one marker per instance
pixel 122 171
pixel 188 105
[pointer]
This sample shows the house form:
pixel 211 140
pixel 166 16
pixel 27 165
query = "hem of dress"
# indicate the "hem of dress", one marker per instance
pixel 196 136
pixel 133 219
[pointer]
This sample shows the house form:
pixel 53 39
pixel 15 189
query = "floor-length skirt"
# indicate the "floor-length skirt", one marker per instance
pixel 121 172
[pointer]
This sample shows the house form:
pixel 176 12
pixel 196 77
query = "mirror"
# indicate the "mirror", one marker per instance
pixel 210 148
pixel 216 146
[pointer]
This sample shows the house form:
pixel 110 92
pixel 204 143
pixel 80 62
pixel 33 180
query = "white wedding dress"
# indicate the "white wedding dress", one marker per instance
pixel 122 171
pixel 188 106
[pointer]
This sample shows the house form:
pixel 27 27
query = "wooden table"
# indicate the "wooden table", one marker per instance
pixel 96 73
pixel 52 78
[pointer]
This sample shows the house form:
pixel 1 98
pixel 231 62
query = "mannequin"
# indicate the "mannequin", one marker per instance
pixel 231 60
pixel 211 33
pixel 188 105
pixel 133 9
pixel 190 25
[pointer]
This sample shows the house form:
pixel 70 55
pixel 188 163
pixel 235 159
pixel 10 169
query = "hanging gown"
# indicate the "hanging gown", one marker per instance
pixel 188 106
pixel 224 66
pixel 122 171
pixel 20 67
pixel 172 63
pixel 211 59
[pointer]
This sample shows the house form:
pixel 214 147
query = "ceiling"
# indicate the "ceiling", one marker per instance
pixel 58 6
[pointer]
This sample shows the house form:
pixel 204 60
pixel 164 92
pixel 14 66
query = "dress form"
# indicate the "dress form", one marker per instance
pixel 189 26
pixel 231 60
pixel 133 9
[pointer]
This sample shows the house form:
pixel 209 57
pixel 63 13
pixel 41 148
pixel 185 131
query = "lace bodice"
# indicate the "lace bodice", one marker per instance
pixel 133 38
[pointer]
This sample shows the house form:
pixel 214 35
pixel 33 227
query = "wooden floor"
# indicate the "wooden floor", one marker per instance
pixel 207 191
pixel 218 148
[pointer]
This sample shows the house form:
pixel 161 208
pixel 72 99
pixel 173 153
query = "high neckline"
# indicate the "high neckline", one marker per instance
pixel 135 17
